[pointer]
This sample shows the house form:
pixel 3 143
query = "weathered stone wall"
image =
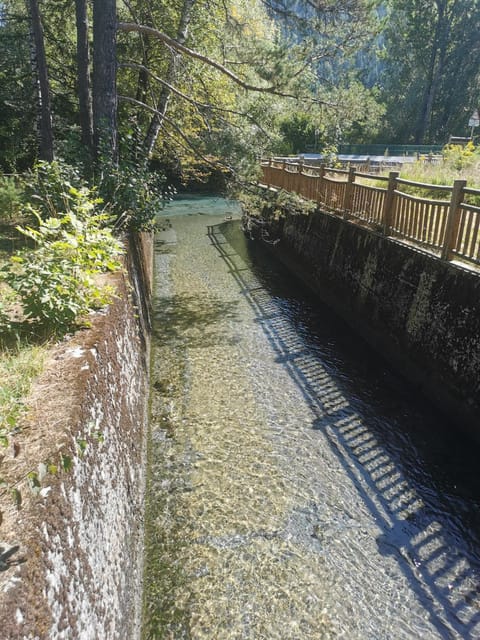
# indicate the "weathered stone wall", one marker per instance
pixel 73 552
pixel 422 313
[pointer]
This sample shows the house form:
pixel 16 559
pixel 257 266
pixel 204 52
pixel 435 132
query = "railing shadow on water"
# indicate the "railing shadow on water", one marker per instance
pixel 184 317
pixel 445 579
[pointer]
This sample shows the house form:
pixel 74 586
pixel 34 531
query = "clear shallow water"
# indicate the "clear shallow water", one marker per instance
pixel 298 489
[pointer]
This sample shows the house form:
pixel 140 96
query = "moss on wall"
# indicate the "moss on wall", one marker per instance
pixel 421 313
pixel 73 548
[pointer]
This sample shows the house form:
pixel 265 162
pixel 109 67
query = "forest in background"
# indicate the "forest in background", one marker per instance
pixel 190 86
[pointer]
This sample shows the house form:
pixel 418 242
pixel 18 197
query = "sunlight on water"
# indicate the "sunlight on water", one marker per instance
pixel 191 205
pixel 281 503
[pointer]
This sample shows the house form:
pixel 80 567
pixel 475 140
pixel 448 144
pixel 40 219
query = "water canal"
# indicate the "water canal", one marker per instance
pixel 298 489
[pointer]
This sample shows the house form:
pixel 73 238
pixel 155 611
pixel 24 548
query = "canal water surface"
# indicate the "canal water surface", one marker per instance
pixel 298 489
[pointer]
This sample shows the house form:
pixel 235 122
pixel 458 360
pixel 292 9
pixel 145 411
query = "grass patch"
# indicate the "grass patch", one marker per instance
pixel 23 362
pixel 18 370
pixel 459 163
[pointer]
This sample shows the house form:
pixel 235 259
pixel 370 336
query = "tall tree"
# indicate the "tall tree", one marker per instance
pixel 40 74
pixel 210 79
pixel 431 62
pixel 83 75
pixel 436 65
pixel 18 139
pixel 105 81
pixel 236 52
pixel 165 91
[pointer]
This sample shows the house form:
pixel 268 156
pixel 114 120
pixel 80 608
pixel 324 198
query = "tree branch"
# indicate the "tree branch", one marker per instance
pixel 184 96
pixel 272 89
pixel 187 142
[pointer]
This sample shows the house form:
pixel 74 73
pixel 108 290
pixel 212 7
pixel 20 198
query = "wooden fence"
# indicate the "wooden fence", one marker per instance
pixel 448 226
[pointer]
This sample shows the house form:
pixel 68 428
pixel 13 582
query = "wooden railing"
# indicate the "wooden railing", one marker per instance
pixel 448 226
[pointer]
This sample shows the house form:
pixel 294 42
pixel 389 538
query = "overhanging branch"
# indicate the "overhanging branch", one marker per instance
pixel 185 138
pixel 184 96
pixel 272 89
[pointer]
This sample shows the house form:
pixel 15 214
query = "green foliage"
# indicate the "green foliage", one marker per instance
pixel 458 163
pixel 298 132
pixel 296 55
pixel 460 157
pixel 17 104
pixel 54 282
pixel 10 198
pixel 66 462
pixel 48 185
pixel 429 69
pixel 263 203
pixel 18 367
pixel 134 193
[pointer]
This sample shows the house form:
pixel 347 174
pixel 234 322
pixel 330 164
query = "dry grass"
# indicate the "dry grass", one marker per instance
pixel 20 364
pixel 458 164
pixel 18 369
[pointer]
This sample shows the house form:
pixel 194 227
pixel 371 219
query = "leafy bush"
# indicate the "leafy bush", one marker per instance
pixel 458 157
pixel 48 186
pixel 136 195
pixel 458 163
pixel 54 282
pixel 10 198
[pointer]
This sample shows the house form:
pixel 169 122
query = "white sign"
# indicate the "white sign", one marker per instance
pixel 474 119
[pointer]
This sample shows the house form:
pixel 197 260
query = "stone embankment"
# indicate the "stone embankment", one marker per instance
pixel 71 532
pixel 421 313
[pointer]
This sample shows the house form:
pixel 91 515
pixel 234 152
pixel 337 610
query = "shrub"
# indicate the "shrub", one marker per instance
pixel 48 186
pixel 54 282
pixel 10 198
pixel 136 195
pixel 458 163
pixel 459 157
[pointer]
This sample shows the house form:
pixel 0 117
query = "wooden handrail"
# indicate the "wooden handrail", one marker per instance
pixel 408 196
pixel 422 185
pixel 396 212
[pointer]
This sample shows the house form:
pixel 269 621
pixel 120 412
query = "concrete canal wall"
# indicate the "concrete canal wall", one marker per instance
pixel 72 550
pixel 421 313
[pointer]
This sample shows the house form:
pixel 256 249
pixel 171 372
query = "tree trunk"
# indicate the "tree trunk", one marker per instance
pixel 143 79
pixel 42 88
pixel 83 75
pixel 105 81
pixel 164 97
pixel 435 70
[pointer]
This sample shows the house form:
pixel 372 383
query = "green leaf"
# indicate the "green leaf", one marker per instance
pixel 66 462
pixel 82 446
pixel 34 482
pixel 17 498
pixel 52 469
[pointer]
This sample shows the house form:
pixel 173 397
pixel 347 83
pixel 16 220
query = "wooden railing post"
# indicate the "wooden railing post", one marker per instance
pixel 269 173
pixel 348 196
pixel 452 218
pixel 387 213
pixel 283 181
pixel 299 177
pixel 321 173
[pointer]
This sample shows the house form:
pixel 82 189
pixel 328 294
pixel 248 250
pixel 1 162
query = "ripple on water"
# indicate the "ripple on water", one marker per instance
pixel 278 508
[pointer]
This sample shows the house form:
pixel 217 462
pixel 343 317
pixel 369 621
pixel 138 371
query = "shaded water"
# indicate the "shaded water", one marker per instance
pixel 297 488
